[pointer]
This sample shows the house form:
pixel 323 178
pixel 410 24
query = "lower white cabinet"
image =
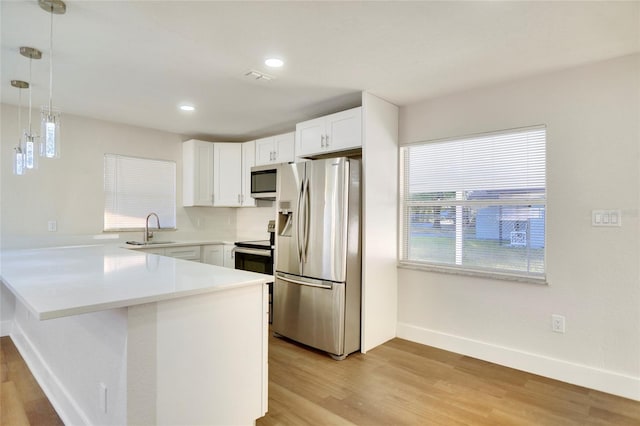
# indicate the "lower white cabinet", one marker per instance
pixel 182 252
pixel 159 251
pixel 229 260
pixel 185 252
pixel 213 255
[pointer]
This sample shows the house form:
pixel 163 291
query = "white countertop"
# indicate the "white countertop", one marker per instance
pixel 63 281
pixel 162 244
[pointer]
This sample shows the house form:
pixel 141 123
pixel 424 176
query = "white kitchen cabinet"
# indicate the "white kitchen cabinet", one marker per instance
pixel 213 254
pixel 227 174
pixel 232 164
pixel 180 252
pixel 336 132
pixel 217 173
pixel 184 252
pixel 248 161
pixel 197 173
pixel 275 149
pixel 154 250
pixel 229 260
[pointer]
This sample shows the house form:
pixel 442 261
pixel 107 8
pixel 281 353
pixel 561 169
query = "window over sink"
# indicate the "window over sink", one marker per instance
pixel 135 187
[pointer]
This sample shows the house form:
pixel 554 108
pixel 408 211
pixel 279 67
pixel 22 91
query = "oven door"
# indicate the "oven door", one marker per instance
pixel 255 260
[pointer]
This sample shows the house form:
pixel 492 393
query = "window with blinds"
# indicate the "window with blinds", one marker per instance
pixel 135 187
pixel 476 204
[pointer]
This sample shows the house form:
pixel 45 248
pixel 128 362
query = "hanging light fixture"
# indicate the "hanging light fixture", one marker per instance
pixel 18 154
pixel 29 141
pixel 50 118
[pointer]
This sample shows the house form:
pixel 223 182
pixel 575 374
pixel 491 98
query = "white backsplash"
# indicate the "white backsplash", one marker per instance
pixel 252 222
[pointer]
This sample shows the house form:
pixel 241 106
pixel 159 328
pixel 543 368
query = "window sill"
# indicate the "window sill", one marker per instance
pixel 473 273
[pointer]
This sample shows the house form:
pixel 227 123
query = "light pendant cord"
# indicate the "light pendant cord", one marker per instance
pixel 20 115
pixel 51 61
pixel 30 86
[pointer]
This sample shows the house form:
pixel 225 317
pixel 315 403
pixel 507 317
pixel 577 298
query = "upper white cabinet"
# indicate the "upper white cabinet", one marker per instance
pixel 217 173
pixel 227 174
pixel 275 149
pixel 248 161
pixel 197 173
pixel 336 132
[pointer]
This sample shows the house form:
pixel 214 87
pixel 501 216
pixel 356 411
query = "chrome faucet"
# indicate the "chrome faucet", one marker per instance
pixel 149 235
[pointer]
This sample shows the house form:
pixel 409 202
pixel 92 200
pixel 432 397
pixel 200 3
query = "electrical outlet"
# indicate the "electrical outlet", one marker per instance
pixel 558 323
pixel 52 225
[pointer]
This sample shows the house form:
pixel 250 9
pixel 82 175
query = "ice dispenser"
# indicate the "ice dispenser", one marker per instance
pixel 285 219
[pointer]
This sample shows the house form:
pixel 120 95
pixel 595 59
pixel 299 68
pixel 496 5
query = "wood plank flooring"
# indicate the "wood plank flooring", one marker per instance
pixel 398 383
pixel 405 383
pixel 22 401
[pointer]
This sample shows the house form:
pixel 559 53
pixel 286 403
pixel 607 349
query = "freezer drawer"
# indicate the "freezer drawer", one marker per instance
pixel 310 313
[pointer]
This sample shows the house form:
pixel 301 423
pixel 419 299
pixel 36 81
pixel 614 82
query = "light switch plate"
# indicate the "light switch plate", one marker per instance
pixel 606 218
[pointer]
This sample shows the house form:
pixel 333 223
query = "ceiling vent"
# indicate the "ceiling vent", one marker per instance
pixel 257 75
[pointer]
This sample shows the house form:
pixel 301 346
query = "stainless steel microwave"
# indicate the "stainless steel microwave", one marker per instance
pixel 263 181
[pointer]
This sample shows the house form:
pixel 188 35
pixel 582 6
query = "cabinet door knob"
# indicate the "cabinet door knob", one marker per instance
pixel 322 141
pixel 326 141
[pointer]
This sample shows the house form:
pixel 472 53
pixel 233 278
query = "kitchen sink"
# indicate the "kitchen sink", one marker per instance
pixel 150 243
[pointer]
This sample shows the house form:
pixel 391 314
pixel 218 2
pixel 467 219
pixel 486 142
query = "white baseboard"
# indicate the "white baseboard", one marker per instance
pixel 577 374
pixel 62 402
pixel 5 328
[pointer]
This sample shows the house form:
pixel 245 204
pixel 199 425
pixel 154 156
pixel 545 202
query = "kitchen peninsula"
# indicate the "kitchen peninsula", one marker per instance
pixel 117 336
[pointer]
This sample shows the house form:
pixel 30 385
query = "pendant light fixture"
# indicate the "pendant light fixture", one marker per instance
pixel 18 154
pixel 50 118
pixel 29 141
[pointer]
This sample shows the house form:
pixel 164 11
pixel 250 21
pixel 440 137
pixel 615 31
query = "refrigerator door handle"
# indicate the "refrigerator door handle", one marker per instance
pixel 307 207
pixel 298 221
pixel 307 283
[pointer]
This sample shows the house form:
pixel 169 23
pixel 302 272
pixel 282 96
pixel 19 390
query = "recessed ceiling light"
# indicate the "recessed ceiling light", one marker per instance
pixel 187 107
pixel 274 62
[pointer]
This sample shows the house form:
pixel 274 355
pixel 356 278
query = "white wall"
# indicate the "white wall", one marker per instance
pixel 251 222
pixel 70 189
pixel 592 115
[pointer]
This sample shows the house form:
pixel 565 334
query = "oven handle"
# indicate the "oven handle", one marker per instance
pixel 257 252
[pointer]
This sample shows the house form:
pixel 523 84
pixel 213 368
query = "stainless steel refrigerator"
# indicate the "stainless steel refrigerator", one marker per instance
pixel 316 296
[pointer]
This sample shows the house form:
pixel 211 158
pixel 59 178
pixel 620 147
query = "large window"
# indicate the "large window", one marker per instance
pixel 476 204
pixel 135 187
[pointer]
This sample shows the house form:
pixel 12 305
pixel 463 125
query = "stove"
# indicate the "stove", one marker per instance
pixel 257 256
pixel 260 245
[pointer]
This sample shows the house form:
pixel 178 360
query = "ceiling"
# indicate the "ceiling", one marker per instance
pixel 134 61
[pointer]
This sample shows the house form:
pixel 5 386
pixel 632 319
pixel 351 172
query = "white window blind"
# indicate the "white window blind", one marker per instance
pixel 476 204
pixel 135 187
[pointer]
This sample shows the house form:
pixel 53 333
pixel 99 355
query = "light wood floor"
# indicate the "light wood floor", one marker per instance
pixel 404 383
pixel 22 402
pixel 398 383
